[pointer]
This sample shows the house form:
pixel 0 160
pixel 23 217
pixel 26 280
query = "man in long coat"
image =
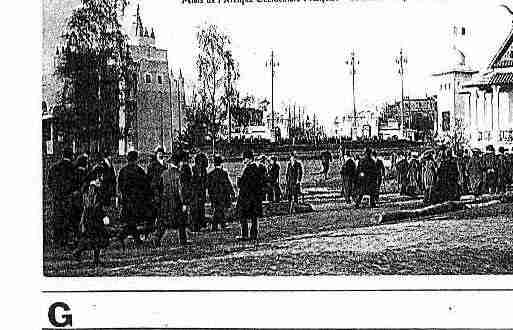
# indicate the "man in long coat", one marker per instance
pixel 348 173
pixel 428 177
pixel 294 177
pixel 220 192
pixel 502 171
pixel 249 202
pixel 274 180
pixel 199 192
pixel 366 179
pixel 173 207
pixel 402 168
pixel 446 186
pixel 155 170
pixel 62 184
pixel 490 170
pixel 381 173
pixel 475 172
pixel 135 195
pixel 414 176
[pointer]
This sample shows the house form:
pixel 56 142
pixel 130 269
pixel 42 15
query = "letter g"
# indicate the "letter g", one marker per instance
pixel 66 317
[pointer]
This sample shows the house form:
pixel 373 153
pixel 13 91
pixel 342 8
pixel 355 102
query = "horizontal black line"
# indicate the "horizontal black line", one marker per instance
pixel 143 328
pixel 277 290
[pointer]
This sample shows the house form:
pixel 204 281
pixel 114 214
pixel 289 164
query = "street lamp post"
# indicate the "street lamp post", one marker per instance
pixel 353 62
pixel 401 61
pixel 272 63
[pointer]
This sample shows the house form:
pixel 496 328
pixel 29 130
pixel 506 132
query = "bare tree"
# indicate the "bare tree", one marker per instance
pixel 217 74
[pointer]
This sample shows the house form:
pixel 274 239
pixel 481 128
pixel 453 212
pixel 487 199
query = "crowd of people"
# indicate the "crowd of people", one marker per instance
pixel 172 193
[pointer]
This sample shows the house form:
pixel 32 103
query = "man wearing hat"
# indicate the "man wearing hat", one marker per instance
pixel 135 196
pixel 367 177
pixel 294 177
pixel 173 207
pixel 249 202
pixel 475 172
pixel 402 168
pixel 155 170
pixel 261 163
pixel 348 173
pixel 490 170
pixel 220 192
pixel 502 171
pixel 62 183
pixel 274 180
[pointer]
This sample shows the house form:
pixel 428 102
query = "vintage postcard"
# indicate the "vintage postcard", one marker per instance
pixel 276 145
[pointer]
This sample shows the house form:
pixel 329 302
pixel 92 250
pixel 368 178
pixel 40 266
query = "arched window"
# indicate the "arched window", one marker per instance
pixel 147 78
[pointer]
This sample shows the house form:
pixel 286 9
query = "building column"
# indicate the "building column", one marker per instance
pixel 482 108
pixel 495 112
pixel 476 110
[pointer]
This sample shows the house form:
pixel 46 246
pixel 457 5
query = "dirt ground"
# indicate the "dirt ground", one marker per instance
pixel 335 239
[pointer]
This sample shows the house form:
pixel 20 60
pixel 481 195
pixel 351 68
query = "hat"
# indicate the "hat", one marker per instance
pixel 490 148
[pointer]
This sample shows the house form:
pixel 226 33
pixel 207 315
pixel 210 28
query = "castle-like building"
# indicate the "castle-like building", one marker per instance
pixel 154 101
pixel 151 105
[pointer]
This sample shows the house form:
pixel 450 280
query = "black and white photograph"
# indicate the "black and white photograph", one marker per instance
pixel 276 138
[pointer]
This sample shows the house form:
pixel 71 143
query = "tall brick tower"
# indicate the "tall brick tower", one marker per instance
pixel 150 116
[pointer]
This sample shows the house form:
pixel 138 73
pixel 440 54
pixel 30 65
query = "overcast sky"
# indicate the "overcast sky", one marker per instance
pixel 312 42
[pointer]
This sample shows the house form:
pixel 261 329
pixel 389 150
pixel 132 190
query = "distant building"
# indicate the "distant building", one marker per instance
pixel 419 118
pixel 366 125
pixel 488 106
pixel 451 95
pixel 147 118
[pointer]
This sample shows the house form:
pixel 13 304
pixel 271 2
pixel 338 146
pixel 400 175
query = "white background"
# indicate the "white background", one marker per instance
pixel 25 307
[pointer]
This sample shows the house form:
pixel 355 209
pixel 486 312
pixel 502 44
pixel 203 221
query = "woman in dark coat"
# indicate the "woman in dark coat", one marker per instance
pixel 93 234
pixel 446 186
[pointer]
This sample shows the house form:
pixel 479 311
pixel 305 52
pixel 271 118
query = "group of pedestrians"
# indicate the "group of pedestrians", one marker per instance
pixel 170 195
pixel 444 175
pixel 363 176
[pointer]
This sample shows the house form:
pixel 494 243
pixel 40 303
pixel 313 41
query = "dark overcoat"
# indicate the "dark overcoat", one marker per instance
pixel 367 176
pixel 446 185
pixel 136 195
pixel 220 189
pixel 171 189
pixel 249 202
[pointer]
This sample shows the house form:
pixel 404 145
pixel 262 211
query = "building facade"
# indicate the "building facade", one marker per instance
pixel 365 126
pixel 489 101
pixel 419 118
pixel 146 117
pixel 452 96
